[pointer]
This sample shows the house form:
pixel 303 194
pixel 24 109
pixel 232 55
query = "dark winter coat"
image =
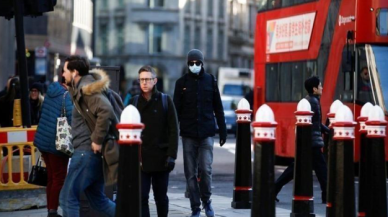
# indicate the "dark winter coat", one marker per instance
pixel 35 111
pixel 51 110
pixel 160 135
pixel 197 100
pixel 318 127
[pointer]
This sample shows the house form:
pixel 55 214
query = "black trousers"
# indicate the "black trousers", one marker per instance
pixel 159 181
pixel 319 166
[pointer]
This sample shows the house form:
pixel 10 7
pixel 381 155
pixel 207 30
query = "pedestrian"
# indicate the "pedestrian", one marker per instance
pixel 314 88
pixel 133 91
pixel 56 101
pixel 159 140
pixel 197 100
pixel 36 102
pixel 7 102
pixel 85 173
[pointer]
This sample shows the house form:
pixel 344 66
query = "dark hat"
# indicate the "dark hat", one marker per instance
pixel 310 83
pixel 195 54
pixel 37 86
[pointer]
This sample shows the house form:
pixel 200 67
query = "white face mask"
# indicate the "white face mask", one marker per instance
pixel 195 69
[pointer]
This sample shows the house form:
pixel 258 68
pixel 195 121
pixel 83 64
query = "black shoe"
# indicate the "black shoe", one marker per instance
pixel 196 213
pixel 277 200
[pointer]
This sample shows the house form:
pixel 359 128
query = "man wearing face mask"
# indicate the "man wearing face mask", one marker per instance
pixel 197 100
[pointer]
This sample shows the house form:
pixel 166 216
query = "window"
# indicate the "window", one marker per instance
pixel 197 37
pixel 104 4
pixel 104 40
pixel 155 33
pixel 221 8
pixel 379 74
pixel 220 44
pixel 188 6
pixel 120 39
pixel 210 8
pixel 382 22
pixel 209 42
pixel 285 81
pixel 263 5
pixel 120 3
pixel 155 3
pixel 198 6
pixel 187 39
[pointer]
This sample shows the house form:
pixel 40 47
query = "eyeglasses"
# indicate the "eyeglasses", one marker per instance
pixel 145 80
pixel 196 63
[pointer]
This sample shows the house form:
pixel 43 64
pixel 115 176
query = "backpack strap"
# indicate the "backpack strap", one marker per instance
pixel 135 100
pixel 165 103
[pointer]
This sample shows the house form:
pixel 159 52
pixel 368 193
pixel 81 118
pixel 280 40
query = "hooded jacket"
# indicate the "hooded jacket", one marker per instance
pixel 318 127
pixel 51 110
pixel 197 100
pixel 89 98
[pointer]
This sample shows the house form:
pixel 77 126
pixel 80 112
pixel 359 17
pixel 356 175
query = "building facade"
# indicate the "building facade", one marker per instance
pixel 7 50
pixel 161 32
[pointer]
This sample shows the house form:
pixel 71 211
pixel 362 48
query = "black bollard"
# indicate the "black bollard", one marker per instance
pixel 362 177
pixel 302 202
pixel 343 204
pixel 129 179
pixel 263 196
pixel 376 201
pixel 331 158
pixel 242 193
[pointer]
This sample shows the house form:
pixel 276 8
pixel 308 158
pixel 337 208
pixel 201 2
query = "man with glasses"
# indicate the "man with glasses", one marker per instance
pixel 197 100
pixel 160 140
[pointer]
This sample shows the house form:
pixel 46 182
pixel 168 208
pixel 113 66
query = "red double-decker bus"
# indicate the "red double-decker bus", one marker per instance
pixel 344 42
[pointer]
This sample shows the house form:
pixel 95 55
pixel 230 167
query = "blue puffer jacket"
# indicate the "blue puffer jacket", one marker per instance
pixel 51 110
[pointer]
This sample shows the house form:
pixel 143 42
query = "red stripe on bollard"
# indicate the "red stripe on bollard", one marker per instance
pixel 303 198
pixel 239 188
pixel 329 205
pixel 361 214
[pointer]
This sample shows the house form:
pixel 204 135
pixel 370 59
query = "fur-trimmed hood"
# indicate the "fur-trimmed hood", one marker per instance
pixel 101 82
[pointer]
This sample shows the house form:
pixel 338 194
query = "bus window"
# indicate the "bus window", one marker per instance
pixel 364 88
pixel 263 5
pixel 285 82
pixel 271 83
pixel 378 65
pixel 345 88
pixel 382 21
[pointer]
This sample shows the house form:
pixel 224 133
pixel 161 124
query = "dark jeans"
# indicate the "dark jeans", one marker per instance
pixel 319 166
pixel 159 181
pixel 85 175
pixel 56 173
pixel 198 153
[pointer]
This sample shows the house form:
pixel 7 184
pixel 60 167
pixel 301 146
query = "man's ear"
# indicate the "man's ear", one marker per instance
pixel 156 80
pixel 315 89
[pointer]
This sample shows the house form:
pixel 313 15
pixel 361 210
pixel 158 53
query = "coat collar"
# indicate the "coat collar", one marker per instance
pixel 95 82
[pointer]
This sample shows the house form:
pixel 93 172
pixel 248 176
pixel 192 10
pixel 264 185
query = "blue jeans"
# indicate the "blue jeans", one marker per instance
pixel 85 175
pixel 159 182
pixel 198 153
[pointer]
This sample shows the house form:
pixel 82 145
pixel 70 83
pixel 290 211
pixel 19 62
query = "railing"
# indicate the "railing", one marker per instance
pixel 16 146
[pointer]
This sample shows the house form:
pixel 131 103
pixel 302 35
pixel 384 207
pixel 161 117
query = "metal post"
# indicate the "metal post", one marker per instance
pixel 242 192
pixel 362 177
pixel 129 179
pixel 343 204
pixel 376 199
pixel 263 198
pixel 331 158
pixel 22 63
pixel 303 202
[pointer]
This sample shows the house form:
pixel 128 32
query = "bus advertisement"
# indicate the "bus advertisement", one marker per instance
pixel 344 42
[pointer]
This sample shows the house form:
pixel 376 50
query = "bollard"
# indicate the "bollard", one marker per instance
pixel 242 193
pixel 375 162
pixel 302 202
pixel 343 201
pixel 129 190
pixel 331 159
pixel 263 196
pixel 362 177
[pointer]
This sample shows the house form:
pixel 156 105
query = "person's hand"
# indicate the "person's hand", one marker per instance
pixel 170 164
pixel 96 148
pixel 222 141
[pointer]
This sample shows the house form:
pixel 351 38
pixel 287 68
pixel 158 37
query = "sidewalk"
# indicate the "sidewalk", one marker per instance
pixel 179 207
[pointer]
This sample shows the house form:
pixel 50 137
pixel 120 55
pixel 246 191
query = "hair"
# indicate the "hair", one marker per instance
pixel 147 69
pixel 363 68
pixel 78 63
pixel 310 83
pixel 14 89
